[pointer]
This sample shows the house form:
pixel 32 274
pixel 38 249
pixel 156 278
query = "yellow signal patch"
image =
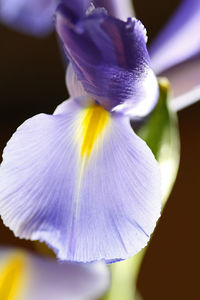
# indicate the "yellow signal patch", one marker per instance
pixel 11 277
pixel 94 121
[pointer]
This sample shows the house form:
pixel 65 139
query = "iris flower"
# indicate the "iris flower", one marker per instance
pixel 27 276
pixel 81 180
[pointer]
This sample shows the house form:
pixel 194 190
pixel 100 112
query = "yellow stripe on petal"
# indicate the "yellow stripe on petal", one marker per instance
pixel 94 121
pixel 11 277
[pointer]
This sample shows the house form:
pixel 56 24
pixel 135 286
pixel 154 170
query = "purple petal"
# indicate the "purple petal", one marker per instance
pixel 81 181
pixel 29 16
pixel 31 277
pixel 184 77
pixel 110 59
pixel 179 40
pixel 116 8
pixel 75 10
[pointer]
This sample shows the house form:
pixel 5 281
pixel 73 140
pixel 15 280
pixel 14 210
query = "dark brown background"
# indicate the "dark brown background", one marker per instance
pixel 32 81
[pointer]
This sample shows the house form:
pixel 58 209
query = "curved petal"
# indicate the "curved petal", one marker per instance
pixel 110 59
pixel 29 16
pixel 81 181
pixel 179 40
pixel 26 276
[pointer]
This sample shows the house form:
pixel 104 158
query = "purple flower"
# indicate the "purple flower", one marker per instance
pixel 29 16
pixel 81 180
pixel 26 276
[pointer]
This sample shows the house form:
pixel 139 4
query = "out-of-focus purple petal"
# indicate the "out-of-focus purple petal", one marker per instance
pixel 121 9
pixel 27 276
pixel 110 59
pixel 186 99
pixel 179 40
pixel 81 181
pixel 184 77
pixel 29 16
pixel 75 9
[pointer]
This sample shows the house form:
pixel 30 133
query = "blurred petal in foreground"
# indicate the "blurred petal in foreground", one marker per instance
pixel 26 276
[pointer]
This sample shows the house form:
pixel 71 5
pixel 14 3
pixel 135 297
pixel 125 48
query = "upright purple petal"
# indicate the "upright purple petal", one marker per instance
pixel 81 181
pixel 110 59
pixel 121 9
pixel 26 276
pixel 75 9
pixel 179 40
pixel 29 16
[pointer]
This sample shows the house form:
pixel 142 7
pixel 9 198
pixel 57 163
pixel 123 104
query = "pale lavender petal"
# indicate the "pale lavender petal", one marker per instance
pixel 32 277
pixel 74 86
pixel 185 100
pixel 81 181
pixel 29 16
pixel 110 59
pixel 179 40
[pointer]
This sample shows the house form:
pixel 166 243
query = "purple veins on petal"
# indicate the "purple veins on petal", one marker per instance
pixel 81 181
pixel 110 59
pixel 180 38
